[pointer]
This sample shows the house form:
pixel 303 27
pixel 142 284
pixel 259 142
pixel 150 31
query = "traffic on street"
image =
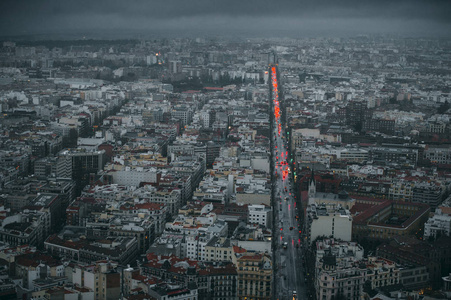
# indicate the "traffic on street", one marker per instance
pixel 289 276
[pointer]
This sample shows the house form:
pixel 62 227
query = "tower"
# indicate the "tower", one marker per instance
pixel 311 189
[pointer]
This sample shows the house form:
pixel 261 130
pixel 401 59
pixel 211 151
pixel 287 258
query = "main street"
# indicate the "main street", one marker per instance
pixel 289 271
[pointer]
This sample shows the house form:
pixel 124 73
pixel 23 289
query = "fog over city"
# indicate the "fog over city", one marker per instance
pixel 232 17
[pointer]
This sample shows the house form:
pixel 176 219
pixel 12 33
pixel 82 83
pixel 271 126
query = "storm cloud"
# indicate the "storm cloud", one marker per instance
pixel 256 16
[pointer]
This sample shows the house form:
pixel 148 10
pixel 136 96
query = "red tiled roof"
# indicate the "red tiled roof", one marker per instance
pixel 139 277
pixel 367 198
pixel 35 258
pixel 81 289
pixel 140 297
pixel 150 206
pixel 157 260
pixel 174 292
pixel 445 210
pixel 73 208
pixel 238 249
pixel 24 261
pixel 54 239
pixel 191 92
pixel 228 269
pixel 363 217
pixel 360 207
pixel 304 196
pixel 251 257
pixel 405 255
pixel 33 207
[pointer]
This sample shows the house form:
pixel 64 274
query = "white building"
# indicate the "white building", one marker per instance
pixel 219 249
pixel 328 214
pixel 182 113
pixel 170 197
pixel 259 214
pixel 382 272
pixel 94 277
pixel 337 271
pixel 255 159
pixel 439 223
pixel 206 120
pixel 195 247
pixel 328 220
pixel 133 177
pixel 198 235
pixel 439 155
pixel 341 270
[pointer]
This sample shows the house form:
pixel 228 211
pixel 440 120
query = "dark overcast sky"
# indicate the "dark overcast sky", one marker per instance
pixel 327 17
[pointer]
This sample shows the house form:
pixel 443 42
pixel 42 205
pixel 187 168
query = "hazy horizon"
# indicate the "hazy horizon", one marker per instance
pixel 139 18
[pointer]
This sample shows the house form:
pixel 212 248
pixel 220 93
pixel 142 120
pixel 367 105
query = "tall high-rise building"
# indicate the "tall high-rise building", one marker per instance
pixel 175 66
pixel 78 164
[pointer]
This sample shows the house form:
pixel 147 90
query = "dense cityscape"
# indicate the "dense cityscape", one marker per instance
pixel 225 168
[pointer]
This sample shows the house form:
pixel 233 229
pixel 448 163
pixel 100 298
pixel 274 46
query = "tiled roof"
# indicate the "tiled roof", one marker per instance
pixel 363 217
pixel 238 249
pixel 251 257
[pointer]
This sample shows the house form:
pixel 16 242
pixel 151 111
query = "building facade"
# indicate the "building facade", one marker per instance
pixel 254 276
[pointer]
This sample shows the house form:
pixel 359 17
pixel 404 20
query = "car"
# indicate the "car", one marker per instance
pixel 291 228
pixel 285 245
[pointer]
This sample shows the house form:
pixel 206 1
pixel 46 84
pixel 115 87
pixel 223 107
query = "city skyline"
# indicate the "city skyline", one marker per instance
pixel 225 150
